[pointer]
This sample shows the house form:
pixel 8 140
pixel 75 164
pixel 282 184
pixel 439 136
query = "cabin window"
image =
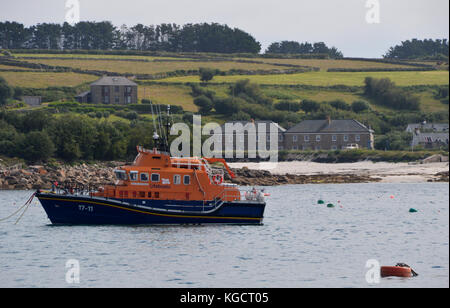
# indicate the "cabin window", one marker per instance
pixel 120 175
pixel 133 175
pixel 177 179
pixel 142 194
pixel 149 194
pixel 157 195
pixel 134 194
pixel 187 180
pixel 155 177
pixel 144 177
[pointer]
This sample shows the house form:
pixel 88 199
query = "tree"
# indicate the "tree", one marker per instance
pixel 340 104
pixel 206 74
pixel 6 91
pixel 309 106
pixel 204 104
pixel 288 106
pixel 37 146
pixel 360 106
pixel 291 47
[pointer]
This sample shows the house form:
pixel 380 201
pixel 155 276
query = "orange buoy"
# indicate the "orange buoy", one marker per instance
pixel 396 271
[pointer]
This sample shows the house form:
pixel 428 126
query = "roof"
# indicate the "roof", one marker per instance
pixel 432 137
pixel 257 125
pixel 113 81
pixel 334 126
pixel 432 127
pixel 83 94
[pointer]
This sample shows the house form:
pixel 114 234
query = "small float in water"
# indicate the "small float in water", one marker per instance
pixel 400 270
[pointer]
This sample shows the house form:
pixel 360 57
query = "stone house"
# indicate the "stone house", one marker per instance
pixel 328 135
pixel 429 135
pixel 111 90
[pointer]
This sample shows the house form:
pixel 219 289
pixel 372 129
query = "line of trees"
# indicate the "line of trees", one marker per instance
pixel 385 92
pixel 427 49
pixel 291 47
pixel 104 35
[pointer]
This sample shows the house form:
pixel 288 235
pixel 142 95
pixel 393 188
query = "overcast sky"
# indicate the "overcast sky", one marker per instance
pixel 340 23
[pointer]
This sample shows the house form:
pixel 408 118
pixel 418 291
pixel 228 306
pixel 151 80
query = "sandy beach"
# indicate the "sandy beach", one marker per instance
pixel 388 172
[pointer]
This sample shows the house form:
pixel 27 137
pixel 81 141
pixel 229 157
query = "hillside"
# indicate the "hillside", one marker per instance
pixel 173 78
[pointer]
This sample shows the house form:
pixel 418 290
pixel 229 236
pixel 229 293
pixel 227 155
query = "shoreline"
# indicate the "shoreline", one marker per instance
pixel 247 174
pixel 382 172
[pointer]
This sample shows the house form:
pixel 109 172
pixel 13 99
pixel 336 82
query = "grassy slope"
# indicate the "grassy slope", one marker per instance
pixel 45 79
pixel 179 94
pixel 330 79
pixel 134 67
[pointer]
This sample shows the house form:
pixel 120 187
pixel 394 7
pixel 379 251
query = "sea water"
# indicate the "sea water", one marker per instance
pixel 301 244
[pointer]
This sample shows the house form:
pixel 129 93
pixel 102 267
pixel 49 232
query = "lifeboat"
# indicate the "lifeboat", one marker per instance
pixel 159 189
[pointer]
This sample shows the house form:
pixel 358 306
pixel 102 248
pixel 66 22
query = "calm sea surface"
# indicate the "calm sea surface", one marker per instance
pixel 301 244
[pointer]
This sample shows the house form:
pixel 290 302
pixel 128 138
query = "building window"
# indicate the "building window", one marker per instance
pixel 317 138
pixel 128 99
pixel 294 138
pixel 358 138
pixel 155 177
pixel 133 175
pixel 177 179
pixel 317 147
pixel 128 90
pixel 117 100
pixel 334 138
pixel 187 180
pixel 295 147
pixel 144 177
pixel 280 138
pixel 334 148
pixel 281 148
pixel 345 137
pixel 306 138
pixel 116 89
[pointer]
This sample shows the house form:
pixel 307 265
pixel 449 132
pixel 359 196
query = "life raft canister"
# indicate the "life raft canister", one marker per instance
pixel 218 179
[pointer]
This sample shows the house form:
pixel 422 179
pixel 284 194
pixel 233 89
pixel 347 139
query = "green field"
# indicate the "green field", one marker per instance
pixel 45 79
pixel 169 95
pixel 135 67
pixel 325 64
pixel 93 56
pixel 330 79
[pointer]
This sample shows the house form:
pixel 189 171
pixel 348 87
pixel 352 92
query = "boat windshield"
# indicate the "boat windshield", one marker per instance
pixel 120 175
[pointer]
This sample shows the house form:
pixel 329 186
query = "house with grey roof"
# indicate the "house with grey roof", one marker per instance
pixel 111 90
pixel 429 135
pixel 241 135
pixel 328 135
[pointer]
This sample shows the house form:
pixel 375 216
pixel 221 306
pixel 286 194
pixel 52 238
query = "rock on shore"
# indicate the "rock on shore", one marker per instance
pixel 42 177
pixel 96 175
pixel 248 177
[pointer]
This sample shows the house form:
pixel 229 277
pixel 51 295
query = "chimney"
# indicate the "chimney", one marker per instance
pixel 329 120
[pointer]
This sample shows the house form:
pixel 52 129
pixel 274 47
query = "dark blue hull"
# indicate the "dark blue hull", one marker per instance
pixel 85 210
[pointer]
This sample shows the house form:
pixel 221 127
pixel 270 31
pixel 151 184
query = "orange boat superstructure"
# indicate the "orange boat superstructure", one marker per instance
pixel 155 175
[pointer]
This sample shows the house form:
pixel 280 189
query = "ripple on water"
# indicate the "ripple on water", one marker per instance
pixel 300 243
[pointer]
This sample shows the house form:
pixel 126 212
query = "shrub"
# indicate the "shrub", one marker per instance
pixel 360 106
pixel 340 104
pixel 204 104
pixel 309 106
pixel 288 106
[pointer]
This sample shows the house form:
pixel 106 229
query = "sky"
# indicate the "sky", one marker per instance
pixel 339 23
